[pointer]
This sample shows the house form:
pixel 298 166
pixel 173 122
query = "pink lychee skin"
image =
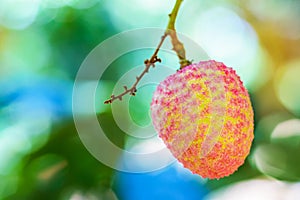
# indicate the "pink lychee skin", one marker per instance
pixel 203 114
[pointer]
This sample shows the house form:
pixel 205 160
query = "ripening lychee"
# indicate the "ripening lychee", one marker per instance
pixel 203 114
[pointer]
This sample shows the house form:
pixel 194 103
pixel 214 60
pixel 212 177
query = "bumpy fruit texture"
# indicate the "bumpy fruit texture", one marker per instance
pixel 203 114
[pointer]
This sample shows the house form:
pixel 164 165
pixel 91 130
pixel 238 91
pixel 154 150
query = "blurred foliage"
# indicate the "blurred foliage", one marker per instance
pixel 43 43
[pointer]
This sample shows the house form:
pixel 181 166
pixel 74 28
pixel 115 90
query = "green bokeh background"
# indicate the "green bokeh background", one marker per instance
pixel 44 42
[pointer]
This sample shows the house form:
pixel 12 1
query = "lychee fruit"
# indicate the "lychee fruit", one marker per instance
pixel 204 116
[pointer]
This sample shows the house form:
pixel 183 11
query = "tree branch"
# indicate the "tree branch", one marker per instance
pixel 177 47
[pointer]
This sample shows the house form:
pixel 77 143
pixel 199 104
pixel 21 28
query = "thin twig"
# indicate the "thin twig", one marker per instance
pixel 177 47
pixel 148 63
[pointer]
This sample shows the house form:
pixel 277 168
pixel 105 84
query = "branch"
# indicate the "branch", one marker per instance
pixel 177 47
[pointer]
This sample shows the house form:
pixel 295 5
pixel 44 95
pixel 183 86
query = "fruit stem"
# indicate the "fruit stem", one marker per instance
pixel 177 47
